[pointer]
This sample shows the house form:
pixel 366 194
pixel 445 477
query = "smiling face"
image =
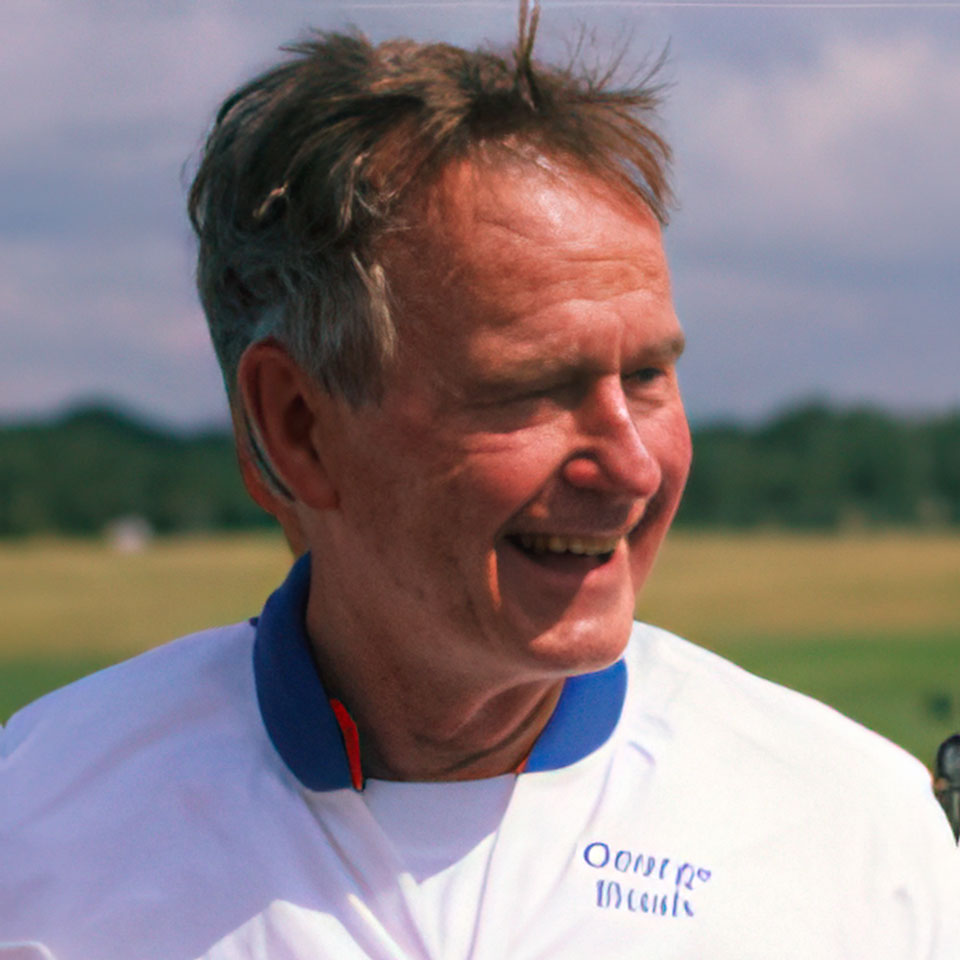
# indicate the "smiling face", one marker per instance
pixel 502 505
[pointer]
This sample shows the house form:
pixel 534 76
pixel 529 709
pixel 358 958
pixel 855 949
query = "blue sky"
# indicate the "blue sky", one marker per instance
pixel 816 251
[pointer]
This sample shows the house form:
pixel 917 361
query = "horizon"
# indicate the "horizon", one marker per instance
pixel 119 410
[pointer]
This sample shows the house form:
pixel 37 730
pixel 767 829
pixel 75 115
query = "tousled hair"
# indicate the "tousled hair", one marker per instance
pixel 306 166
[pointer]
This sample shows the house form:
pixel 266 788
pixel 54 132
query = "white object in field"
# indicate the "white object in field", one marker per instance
pixel 131 534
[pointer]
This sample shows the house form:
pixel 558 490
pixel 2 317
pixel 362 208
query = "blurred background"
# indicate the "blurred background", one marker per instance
pixel 816 263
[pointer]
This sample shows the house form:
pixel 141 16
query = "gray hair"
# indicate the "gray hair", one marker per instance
pixel 306 165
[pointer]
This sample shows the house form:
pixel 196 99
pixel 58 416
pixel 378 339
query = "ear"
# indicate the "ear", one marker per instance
pixel 283 509
pixel 282 404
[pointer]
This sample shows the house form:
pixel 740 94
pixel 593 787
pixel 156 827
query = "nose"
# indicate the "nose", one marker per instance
pixel 611 456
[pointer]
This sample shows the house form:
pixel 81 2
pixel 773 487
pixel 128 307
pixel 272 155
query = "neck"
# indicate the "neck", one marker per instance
pixel 419 721
pixel 465 741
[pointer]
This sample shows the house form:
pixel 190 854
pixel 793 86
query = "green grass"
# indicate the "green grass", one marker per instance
pixel 24 678
pixel 869 624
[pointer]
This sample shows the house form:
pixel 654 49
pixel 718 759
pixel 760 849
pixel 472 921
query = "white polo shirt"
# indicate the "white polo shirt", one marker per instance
pixel 197 802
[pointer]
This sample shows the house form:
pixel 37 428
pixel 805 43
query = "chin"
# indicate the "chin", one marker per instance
pixel 582 646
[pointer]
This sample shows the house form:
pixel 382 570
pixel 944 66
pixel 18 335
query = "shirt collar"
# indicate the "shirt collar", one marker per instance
pixel 305 731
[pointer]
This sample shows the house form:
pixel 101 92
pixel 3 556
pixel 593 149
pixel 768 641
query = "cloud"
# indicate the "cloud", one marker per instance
pixel 117 319
pixel 852 152
pixel 759 340
pixel 103 105
pixel 815 252
pixel 75 65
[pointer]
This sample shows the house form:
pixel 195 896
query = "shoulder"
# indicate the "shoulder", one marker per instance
pixel 153 775
pixel 776 763
pixel 789 801
pixel 129 717
pixel 764 725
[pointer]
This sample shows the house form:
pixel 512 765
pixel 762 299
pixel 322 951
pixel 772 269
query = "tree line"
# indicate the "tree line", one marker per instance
pixel 812 467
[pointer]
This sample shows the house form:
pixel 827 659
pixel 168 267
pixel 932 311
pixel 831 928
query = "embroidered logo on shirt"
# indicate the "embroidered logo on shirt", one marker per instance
pixel 641 883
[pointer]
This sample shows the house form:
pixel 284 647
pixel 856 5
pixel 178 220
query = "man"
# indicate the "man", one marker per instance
pixel 436 285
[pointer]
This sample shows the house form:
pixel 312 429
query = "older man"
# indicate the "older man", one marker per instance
pixel 436 285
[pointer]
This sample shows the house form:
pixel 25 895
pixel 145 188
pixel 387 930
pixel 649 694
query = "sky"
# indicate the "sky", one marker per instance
pixel 815 251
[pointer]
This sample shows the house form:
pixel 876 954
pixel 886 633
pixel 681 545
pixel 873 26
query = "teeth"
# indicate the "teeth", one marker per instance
pixel 582 546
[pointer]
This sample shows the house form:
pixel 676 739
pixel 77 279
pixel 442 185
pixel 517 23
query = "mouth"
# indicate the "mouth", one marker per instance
pixel 559 551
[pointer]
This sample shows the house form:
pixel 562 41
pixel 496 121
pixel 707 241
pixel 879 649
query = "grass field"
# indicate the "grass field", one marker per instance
pixel 870 624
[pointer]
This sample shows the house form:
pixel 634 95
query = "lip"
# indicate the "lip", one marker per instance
pixel 562 572
pixel 539 545
pixel 558 578
pixel 618 532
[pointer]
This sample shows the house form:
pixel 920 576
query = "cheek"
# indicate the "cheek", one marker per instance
pixel 678 468
pixel 668 442
pixel 419 486
pixel 384 481
pixel 503 475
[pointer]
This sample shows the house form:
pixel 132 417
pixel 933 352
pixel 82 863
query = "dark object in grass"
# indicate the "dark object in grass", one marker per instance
pixel 947 782
pixel 939 705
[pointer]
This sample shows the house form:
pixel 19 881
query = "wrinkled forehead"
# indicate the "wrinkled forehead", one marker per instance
pixel 480 223
pixel 534 197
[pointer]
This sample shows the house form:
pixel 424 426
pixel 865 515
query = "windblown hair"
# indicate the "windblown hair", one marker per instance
pixel 307 164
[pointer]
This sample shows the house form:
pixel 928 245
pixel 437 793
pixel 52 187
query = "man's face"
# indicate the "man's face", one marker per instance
pixel 502 505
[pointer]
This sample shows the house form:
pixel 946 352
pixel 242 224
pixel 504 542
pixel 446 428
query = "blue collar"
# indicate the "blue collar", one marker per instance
pixel 301 724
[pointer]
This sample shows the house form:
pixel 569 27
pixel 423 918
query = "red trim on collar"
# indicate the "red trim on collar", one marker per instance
pixel 351 741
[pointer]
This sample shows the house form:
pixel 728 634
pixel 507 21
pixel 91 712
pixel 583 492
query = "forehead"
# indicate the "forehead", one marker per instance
pixel 537 199
pixel 504 239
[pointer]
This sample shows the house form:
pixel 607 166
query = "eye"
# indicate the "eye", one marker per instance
pixel 644 375
pixel 557 391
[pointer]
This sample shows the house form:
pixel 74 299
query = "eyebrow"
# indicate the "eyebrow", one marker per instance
pixel 555 368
